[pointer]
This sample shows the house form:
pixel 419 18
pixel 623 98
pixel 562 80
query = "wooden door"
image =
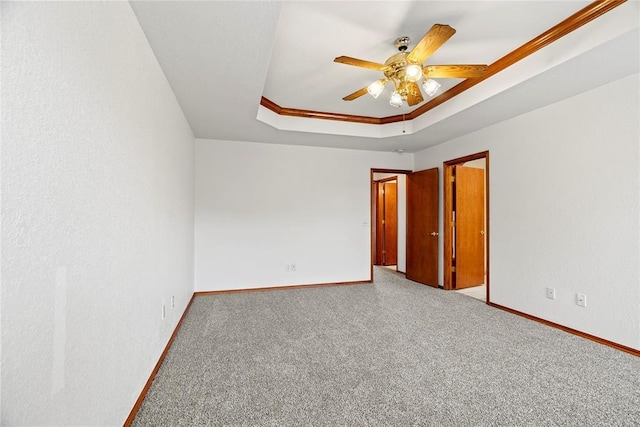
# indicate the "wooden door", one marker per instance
pixel 422 227
pixel 390 254
pixel 469 250
pixel 386 222
pixel 379 223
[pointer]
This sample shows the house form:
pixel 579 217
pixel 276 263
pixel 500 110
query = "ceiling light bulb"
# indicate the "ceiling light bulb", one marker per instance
pixel 376 88
pixel 430 86
pixel 413 72
pixel 396 99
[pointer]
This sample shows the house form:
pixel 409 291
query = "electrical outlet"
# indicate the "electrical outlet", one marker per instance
pixel 173 301
pixel 581 300
pixel 287 268
pixel 293 267
pixel 551 293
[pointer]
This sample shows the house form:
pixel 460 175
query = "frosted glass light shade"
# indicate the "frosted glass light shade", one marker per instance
pixel 396 99
pixel 413 73
pixel 430 86
pixel 376 88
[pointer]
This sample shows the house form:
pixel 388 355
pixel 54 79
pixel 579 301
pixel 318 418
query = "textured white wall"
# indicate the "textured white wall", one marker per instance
pixel 260 207
pixel 97 212
pixel 565 209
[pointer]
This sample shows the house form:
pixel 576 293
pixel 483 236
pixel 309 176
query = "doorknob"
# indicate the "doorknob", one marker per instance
pixel 482 232
pixel 434 233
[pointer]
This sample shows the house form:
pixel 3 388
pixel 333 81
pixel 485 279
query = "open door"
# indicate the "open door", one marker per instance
pixel 466 223
pixel 390 223
pixel 386 222
pixel 398 212
pixel 422 227
pixel 469 252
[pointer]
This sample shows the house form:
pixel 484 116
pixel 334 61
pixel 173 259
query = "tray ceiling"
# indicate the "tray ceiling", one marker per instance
pixel 222 57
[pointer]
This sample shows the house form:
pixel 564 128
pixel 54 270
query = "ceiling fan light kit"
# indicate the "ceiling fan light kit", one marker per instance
pixel 430 86
pixel 413 72
pixel 396 99
pixel 405 69
pixel 376 88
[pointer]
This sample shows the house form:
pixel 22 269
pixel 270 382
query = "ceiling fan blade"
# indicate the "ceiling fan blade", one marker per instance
pixel 414 96
pixel 356 94
pixel 359 63
pixel 461 71
pixel 435 37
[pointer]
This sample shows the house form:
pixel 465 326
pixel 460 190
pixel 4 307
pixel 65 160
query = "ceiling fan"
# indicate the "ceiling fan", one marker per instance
pixel 405 69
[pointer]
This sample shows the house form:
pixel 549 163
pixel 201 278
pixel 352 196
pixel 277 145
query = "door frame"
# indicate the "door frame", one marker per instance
pixel 377 183
pixel 372 203
pixel 447 168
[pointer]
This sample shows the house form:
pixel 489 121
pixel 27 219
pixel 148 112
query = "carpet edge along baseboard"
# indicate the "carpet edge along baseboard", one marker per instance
pixel 282 288
pixel 154 372
pixel 624 348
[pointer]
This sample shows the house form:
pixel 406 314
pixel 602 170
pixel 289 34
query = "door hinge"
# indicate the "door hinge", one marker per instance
pixel 453 179
pixel 453 269
pixel 383 221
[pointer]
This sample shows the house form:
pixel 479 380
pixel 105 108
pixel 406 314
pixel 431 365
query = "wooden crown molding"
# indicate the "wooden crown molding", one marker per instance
pixel 310 114
pixel 573 22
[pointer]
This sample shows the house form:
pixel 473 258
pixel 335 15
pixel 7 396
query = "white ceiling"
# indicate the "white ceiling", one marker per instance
pixel 221 57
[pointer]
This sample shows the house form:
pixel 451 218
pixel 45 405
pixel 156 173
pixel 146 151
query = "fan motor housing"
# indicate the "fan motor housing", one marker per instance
pixel 397 66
